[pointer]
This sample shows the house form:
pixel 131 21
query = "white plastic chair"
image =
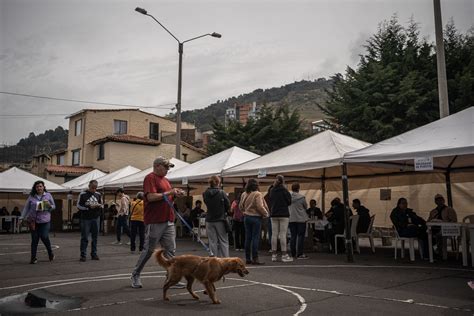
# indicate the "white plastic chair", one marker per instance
pixel 368 234
pixel 354 220
pixel 467 219
pixel 411 243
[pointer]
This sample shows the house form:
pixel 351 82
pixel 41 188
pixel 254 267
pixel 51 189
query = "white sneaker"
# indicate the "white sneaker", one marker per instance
pixel 128 243
pixel 117 243
pixel 136 283
pixel 274 257
pixel 286 258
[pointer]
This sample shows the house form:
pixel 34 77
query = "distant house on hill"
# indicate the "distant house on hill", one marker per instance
pixel 112 139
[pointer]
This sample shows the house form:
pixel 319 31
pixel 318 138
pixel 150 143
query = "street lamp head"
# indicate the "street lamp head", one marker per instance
pixel 141 10
pixel 216 35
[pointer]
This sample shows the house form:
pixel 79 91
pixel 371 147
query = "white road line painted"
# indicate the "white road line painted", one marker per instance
pixel 54 247
pixel 76 279
pixel 359 267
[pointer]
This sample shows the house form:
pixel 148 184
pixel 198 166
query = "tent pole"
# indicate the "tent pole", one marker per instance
pixel 448 188
pixel 323 191
pixel 345 195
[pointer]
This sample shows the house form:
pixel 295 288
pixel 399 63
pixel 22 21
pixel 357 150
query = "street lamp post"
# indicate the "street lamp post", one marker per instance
pixel 180 74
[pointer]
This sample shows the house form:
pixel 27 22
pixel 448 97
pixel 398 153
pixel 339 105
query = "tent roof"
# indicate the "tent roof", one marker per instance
pixel 84 179
pixel 213 165
pixel 322 150
pixel 17 180
pixel 125 171
pixel 136 179
pixel 443 139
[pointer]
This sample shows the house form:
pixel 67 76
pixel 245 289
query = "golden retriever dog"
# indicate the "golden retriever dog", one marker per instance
pixel 206 270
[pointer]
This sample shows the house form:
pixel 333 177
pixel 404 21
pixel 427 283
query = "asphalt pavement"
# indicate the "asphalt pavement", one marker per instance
pixel 324 284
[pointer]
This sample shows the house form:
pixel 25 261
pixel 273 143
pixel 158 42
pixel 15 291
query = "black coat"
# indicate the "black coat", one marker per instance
pixel 217 204
pixel 280 199
pixel 337 218
pixel 364 219
pixel 401 219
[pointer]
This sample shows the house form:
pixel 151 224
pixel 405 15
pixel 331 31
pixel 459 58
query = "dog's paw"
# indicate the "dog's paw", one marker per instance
pixel 166 298
pixel 195 297
pixel 216 302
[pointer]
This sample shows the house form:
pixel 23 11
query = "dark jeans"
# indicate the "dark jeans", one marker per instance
pixel 416 232
pixel 41 232
pixel 122 224
pixel 89 227
pixel 137 227
pixel 253 225
pixel 297 230
pixel 239 231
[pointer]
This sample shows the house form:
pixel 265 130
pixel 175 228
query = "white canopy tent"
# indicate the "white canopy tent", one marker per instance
pixel 136 179
pixel 306 158
pixel 84 179
pixel 125 171
pixel 448 141
pixel 201 170
pixel 19 181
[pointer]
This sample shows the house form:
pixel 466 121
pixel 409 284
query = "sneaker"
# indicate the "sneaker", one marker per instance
pixel 136 283
pixel 286 258
pixel 270 251
pixel 51 257
pixel 471 284
pixel 34 261
pixel 179 285
pixel 129 243
pixel 117 243
pixel 83 259
pixel 94 257
pixel 302 257
pixel 275 258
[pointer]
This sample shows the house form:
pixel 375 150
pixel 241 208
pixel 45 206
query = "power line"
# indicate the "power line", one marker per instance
pixel 89 102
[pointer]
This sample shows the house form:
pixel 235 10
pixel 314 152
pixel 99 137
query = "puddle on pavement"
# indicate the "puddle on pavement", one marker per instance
pixel 15 304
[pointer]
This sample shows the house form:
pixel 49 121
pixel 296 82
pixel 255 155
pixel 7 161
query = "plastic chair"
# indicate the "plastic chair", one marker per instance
pixel 368 234
pixel 411 243
pixel 467 219
pixel 354 220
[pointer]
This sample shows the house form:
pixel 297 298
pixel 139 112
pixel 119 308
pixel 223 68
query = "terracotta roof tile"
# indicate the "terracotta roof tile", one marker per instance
pixel 126 139
pixel 79 170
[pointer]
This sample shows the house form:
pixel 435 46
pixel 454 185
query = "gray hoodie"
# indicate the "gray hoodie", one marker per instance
pixel 298 208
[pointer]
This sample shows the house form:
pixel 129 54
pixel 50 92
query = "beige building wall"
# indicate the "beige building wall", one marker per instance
pixel 99 124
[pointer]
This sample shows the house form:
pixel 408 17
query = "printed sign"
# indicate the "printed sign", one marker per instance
pixel 184 181
pixel 450 231
pixel 423 163
pixel 262 173
pixel 385 194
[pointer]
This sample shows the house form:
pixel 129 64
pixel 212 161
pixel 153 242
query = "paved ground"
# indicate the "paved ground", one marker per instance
pixel 324 284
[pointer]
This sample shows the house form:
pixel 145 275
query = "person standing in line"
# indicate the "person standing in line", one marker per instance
pixel 298 219
pixel 218 205
pixel 238 224
pixel 37 212
pixel 254 208
pixel 122 215
pixel 280 200
pixel 136 223
pixel 158 217
pixel 90 205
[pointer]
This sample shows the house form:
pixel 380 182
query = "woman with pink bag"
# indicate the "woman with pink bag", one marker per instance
pixel 238 224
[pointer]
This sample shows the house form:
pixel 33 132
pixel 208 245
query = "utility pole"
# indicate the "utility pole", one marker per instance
pixel 440 62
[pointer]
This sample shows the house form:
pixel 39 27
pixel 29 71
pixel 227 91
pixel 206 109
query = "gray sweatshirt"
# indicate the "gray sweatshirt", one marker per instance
pixel 298 208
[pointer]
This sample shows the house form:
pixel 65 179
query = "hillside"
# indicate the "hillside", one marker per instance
pixel 303 95
pixel 46 142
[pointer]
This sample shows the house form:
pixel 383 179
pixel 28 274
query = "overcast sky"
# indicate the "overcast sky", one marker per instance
pixel 104 51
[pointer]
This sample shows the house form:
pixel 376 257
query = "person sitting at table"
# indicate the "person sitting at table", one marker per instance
pixel 364 216
pixel 442 213
pixel 6 225
pixel 336 217
pixel 313 211
pixel 408 224
pixel 196 213
pixel 16 211
pixel 4 212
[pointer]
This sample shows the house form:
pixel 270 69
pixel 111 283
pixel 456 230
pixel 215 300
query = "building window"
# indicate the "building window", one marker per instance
pixel 154 131
pixel 76 157
pixel 100 151
pixel 120 127
pixel 60 160
pixel 77 127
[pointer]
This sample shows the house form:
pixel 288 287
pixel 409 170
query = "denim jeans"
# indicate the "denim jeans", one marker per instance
pixel 137 227
pixel 122 224
pixel 41 232
pixel 89 226
pixel 297 230
pixel 253 225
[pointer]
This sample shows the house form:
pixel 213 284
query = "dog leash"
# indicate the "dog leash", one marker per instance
pixel 165 197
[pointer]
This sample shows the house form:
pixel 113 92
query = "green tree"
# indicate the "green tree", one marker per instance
pixel 271 130
pixel 394 88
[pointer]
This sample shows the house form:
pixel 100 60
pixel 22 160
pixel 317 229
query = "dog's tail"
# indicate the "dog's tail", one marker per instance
pixel 160 258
